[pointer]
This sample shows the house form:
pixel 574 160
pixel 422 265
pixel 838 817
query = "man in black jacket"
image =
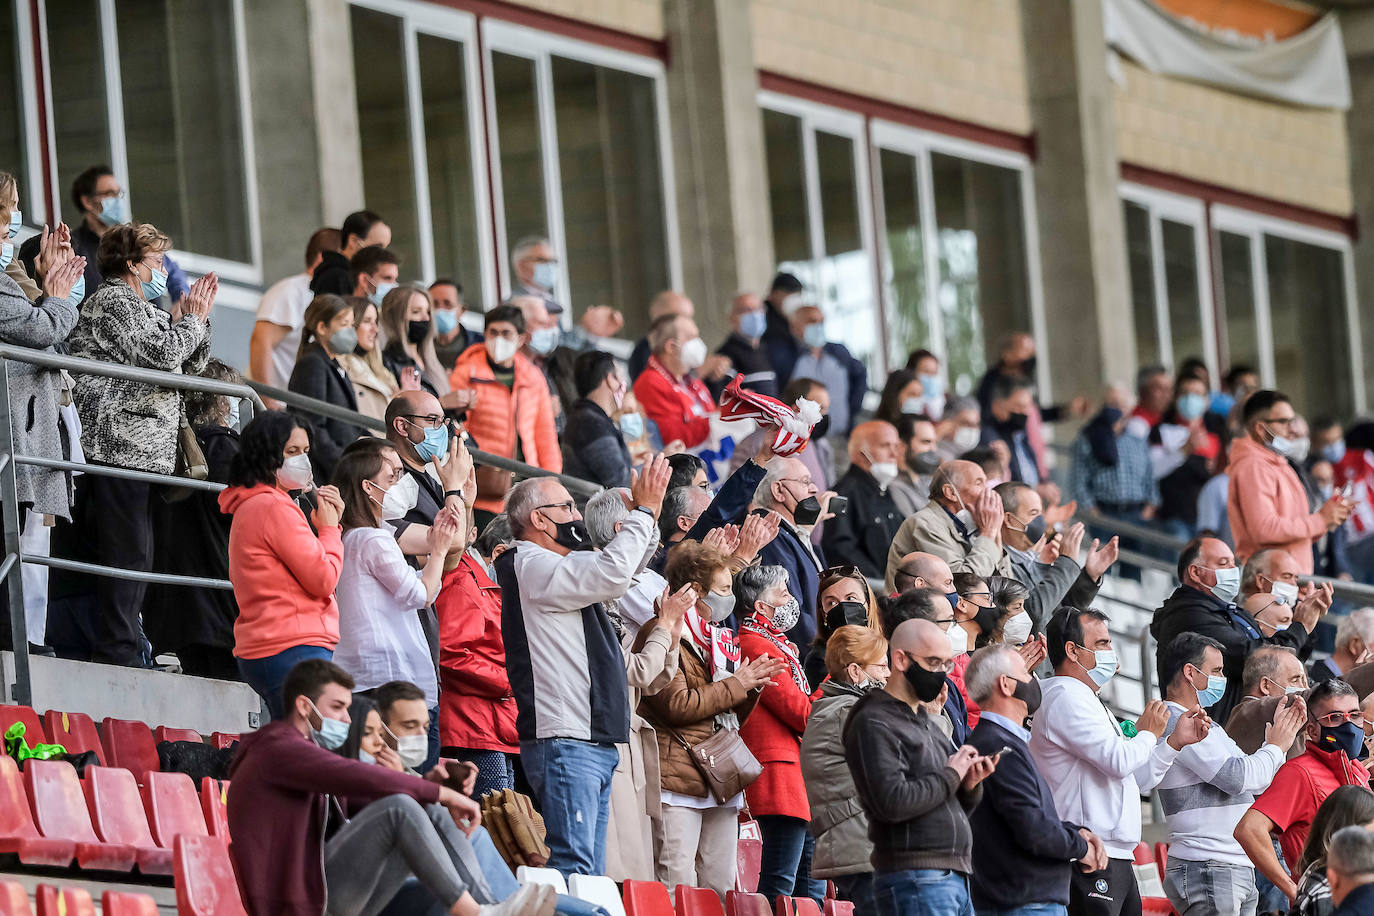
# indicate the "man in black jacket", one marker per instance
pixel 593 446
pixel 1025 854
pixel 359 230
pixel 916 795
pixel 744 346
pixel 1205 604
pixel 862 534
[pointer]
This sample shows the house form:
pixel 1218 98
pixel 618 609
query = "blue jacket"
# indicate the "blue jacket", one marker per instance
pixel 803 580
pixel 1022 851
pixel 783 350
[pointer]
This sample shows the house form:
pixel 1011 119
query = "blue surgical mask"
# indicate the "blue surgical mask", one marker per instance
pixel 1192 405
pixel 753 324
pixel 154 286
pixel 78 290
pixel 6 254
pixel 545 340
pixel 631 426
pixel 1104 667
pixel 1228 583
pixel 913 405
pixel 331 733
pixel 16 222
pixel 365 757
pixel 445 321
pixel 435 444
pixel 114 211
pixel 1209 695
pixel 546 275
pixel 814 335
pixel 380 292
pixel 933 386
pixel 1334 452
pixel 233 421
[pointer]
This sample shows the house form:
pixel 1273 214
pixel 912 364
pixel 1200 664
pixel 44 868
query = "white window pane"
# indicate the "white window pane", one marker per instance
pixel 1307 312
pixel 1238 294
pixel 904 277
pixel 76 76
pixel 517 129
pixel 453 207
pixel 1140 262
pixel 844 274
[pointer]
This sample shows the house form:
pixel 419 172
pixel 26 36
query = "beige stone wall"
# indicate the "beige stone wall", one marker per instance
pixel 1297 155
pixel 638 17
pixel 960 58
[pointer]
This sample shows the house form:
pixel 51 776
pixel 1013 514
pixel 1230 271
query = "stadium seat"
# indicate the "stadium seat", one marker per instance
pixel 550 876
pixel 838 907
pixel 17 833
pixel 1161 857
pixel 1156 906
pixel 749 861
pixel 221 740
pixel 205 880
pixel 598 890
pixel 646 898
pixel 75 731
pixel 805 906
pixel 67 901
pixel 1143 855
pixel 33 728
pixel 172 807
pixel 783 907
pixel 129 744
pixel 14 900
pixel 112 796
pixel 121 903
pixel 697 901
pixel 214 804
pixel 163 733
pixel 59 811
pixel 741 903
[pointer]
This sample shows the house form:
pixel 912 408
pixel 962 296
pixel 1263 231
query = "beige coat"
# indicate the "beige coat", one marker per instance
pixel 372 391
pixel 635 785
pixel 932 530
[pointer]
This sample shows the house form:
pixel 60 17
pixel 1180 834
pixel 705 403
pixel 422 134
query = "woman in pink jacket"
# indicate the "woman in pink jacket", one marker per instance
pixel 283 573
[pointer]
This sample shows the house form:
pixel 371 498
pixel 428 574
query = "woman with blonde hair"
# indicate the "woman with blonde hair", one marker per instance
pixel 408 339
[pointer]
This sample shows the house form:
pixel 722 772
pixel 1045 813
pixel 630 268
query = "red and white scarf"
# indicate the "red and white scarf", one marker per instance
pixel 792 425
pixel 763 627
pixel 717 645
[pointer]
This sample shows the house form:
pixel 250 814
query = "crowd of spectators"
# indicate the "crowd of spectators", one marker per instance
pixel 894 625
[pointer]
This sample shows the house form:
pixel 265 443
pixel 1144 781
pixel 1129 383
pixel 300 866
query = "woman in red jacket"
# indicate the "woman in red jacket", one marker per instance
pixel 476 707
pixel 773 733
pixel 284 574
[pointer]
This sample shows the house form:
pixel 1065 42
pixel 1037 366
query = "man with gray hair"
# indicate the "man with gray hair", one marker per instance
pixel 1025 853
pixel 605 514
pixel 962 524
pixel 1354 638
pixel 566 667
pixel 788 490
pixel 536 271
pixel 1350 871
pixel 1271 673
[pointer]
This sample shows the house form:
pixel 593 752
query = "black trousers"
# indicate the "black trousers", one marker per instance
pixel 1110 892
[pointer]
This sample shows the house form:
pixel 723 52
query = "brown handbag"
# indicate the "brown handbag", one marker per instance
pixel 724 762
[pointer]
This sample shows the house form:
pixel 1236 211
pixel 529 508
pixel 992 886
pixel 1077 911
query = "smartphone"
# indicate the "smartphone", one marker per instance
pixel 1006 749
pixel 1348 491
pixel 838 504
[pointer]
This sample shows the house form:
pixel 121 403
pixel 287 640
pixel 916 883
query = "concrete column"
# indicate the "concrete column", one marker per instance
pixel 1090 337
pixel 339 145
pixel 718 156
pixel 1358 31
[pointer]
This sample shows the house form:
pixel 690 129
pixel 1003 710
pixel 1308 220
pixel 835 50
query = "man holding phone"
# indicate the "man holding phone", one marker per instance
pixel 863 530
pixel 1025 855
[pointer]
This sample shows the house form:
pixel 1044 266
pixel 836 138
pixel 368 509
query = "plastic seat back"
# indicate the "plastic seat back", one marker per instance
pixel 646 898
pixel 742 903
pixel 214 804
pixel 839 908
pixel 1143 855
pixel 598 890
pixel 205 880
pixel 220 740
pixel 116 809
pixel 783 907
pixel 697 901
pixel 805 906
pixel 59 810
pixel 163 733
pixel 129 744
pixel 172 807
pixel 121 903
pixel 14 900
pixel 75 731
pixel 67 901
pixel 550 876
pixel 748 864
pixel 33 728
pixel 18 834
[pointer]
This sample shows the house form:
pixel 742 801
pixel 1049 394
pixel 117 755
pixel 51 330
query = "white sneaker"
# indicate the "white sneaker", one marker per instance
pixel 529 900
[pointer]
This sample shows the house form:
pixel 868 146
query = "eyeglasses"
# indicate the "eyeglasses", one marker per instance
pixel 804 481
pixel 969 596
pixel 846 572
pixel 932 664
pixel 1333 719
pixel 431 421
pixel 566 507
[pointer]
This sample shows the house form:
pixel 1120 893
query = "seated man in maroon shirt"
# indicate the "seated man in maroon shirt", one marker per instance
pixel 293 846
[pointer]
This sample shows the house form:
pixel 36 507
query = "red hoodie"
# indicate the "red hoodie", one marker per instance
pixel 476 706
pixel 283 575
pixel 281 783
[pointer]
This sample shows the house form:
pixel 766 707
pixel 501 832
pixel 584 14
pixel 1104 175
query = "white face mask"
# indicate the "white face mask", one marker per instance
pixel 295 472
pixel 693 353
pixel 1285 593
pixel 958 639
pixel 884 472
pixel 501 349
pixel 1017 629
pixel 401 498
pixel 412 749
pixel 965 438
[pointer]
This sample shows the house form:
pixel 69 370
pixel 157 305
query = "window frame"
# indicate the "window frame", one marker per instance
pixel 238 271
pixel 539 46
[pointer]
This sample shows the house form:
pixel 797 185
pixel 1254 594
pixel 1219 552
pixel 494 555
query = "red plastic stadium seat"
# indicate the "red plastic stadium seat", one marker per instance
pixel 129 744
pixel 1156 906
pixel 75 731
pixel 221 740
pixel 120 903
pixel 14 900
pixel 205 880
pixel 643 898
pixel 163 733
pixel 748 863
pixel 68 901
pixel 172 806
pixel 214 802
pixel 697 901
pixel 1143 855
pixel 783 907
pixel 117 810
pixel 17 832
pixel 839 908
pixel 33 728
pixel 59 810
pixel 1161 857
pixel 805 906
pixel 740 903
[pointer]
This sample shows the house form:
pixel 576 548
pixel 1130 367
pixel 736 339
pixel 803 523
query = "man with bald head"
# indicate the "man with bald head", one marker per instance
pixel 668 389
pixel 962 524
pixel 747 356
pixel 862 534
pixel 923 570
pixel 409 416
pixel 667 302
pixel 917 795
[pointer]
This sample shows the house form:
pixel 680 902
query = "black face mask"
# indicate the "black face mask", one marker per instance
pixel 806 511
pixel 1028 367
pixel 1035 528
pixel 821 428
pixel 924 463
pixel 1028 692
pixel 572 535
pixel 987 618
pixel 417 331
pixel 844 614
pixel 1016 422
pixel 925 684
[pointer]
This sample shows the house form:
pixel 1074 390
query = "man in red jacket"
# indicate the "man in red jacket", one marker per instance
pixel 667 391
pixel 288 786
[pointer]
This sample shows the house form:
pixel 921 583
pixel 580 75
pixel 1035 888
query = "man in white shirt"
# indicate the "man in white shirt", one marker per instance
pixel 1094 772
pixel 277 333
pixel 566 668
pixel 1211 784
pixel 606 513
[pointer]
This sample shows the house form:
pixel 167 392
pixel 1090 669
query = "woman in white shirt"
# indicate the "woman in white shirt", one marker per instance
pixel 379 594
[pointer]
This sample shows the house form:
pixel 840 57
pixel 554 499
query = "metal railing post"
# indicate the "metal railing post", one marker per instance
pixel 14 579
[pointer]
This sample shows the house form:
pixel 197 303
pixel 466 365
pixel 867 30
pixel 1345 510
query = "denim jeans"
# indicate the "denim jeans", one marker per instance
pixel 267 675
pixel 495 770
pixel 783 839
pixel 857 889
pixel 432 754
pixel 1198 888
pixel 921 892
pixel 1271 899
pixel 1029 909
pixel 806 885
pixel 571 781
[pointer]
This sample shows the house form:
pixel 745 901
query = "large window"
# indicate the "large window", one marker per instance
pixel 140 86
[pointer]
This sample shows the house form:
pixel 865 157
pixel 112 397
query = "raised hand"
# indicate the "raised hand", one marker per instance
pixel 1191 728
pixel 390 759
pixel 1073 541
pixel 1288 721
pixel 201 297
pixel 759 672
pixel 442 534
pixel 961 760
pixel 987 514
pixel 756 533
pixel 1048 546
pixel 674 605
pixel 454 472
pixel 60 281
pixel 648 486
pixel 53 249
pixel 602 321
pixel 724 539
pixel 981 768
pixel 1033 651
pixel 1100 559
pixel 329 507
pixel 1154 718
pixel 1313 608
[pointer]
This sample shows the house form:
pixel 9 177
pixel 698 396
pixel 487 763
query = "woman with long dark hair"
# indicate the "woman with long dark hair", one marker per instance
pixel 327 334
